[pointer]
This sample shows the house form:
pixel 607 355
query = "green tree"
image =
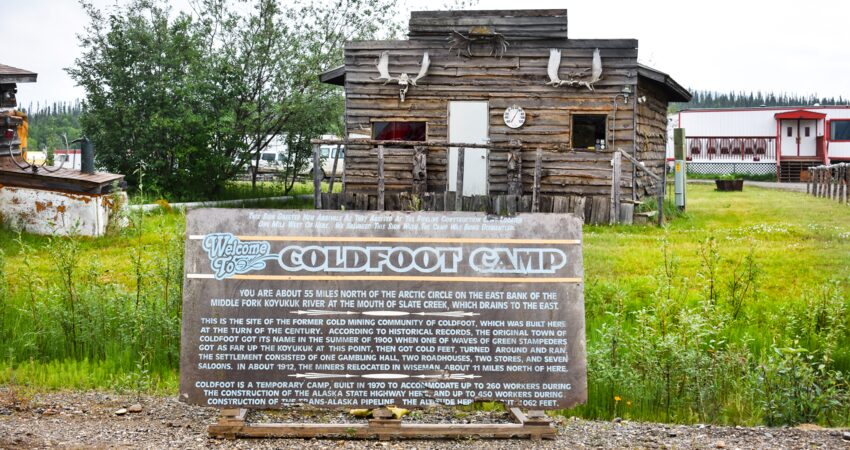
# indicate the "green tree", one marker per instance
pixel 194 97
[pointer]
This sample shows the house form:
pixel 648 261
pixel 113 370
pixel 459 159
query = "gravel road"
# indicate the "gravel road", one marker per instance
pixel 89 420
pixel 786 186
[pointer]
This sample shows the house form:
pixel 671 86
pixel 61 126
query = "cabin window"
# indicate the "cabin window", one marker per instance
pixel 839 130
pixel 399 131
pixel 589 131
pixel 807 131
pixel 790 132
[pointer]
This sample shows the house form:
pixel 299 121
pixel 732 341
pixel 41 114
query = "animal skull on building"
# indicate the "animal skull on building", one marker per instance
pixel 576 78
pixel 404 80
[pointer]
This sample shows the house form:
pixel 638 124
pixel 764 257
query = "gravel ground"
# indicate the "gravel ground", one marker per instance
pixel 89 420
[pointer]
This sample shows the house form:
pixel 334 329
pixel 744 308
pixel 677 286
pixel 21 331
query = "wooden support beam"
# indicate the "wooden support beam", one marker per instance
pixel 538 171
pixel 381 186
pixel 536 425
pixel 333 170
pixel 662 188
pixel 515 171
pixel 420 171
pixel 412 144
pixel 461 152
pixel 317 178
pixel 809 181
pixel 616 172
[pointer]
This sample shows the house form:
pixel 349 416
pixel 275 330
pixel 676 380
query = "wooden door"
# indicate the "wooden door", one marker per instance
pixel 469 123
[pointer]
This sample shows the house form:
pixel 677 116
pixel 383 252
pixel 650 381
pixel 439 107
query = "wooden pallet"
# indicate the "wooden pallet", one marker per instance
pixel 232 424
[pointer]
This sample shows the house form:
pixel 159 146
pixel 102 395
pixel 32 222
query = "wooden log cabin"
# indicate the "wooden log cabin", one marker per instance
pixel 539 115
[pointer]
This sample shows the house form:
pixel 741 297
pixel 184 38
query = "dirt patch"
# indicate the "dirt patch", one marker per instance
pixel 89 420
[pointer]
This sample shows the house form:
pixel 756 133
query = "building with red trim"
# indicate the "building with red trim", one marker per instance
pixel 785 141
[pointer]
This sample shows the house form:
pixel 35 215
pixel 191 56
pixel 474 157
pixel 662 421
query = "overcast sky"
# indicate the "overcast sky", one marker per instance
pixel 781 46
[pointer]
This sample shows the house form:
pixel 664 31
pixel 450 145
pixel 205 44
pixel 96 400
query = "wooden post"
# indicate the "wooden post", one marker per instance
pixel 317 177
pixel 616 172
pixel 809 181
pixel 538 171
pixel 380 178
pixel 662 188
pixel 420 171
pixel 835 180
pixel 846 183
pixel 515 171
pixel 333 171
pixel 815 181
pixel 459 184
pixel 845 189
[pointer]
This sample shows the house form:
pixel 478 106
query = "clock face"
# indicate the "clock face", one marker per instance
pixel 514 116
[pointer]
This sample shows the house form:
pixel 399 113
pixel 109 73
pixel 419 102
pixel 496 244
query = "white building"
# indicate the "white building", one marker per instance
pixel 785 141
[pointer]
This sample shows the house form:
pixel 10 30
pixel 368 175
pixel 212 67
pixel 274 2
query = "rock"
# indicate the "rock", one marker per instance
pixel 121 412
pixel 137 408
pixel 617 420
pixel 719 444
pixel 671 434
pixel 49 412
pixel 846 436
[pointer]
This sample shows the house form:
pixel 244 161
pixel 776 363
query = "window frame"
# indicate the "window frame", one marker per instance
pixel 832 133
pixel 373 121
pixel 588 113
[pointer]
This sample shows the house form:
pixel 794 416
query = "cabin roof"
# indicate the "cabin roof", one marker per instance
pixel 334 76
pixel 9 74
pixel 674 90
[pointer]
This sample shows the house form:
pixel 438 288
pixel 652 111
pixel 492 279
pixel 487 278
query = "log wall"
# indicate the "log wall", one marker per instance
pixel 651 135
pixel 517 77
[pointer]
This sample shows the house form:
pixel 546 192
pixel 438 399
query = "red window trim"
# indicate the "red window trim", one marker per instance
pixel 829 131
pixel 407 121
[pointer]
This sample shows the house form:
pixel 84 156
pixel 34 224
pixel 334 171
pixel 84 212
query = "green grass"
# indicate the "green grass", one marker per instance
pixel 800 244
pixel 240 190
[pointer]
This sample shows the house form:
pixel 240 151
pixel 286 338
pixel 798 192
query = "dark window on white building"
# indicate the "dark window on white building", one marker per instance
pixel 839 130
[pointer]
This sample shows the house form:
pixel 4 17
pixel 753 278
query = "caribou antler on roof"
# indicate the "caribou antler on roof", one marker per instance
pixel 574 79
pixel 404 80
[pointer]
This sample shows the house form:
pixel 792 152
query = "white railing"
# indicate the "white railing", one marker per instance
pixel 731 149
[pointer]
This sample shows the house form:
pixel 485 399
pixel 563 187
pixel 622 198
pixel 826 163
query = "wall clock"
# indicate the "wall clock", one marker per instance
pixel 514 116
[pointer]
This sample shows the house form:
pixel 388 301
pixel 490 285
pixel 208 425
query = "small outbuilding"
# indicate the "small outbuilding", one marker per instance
pixel 536 116
pixel 785 141
pixel 43 199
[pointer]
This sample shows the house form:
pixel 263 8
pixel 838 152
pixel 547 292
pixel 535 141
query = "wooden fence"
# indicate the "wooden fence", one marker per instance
pixel 594 209
pixel 830 182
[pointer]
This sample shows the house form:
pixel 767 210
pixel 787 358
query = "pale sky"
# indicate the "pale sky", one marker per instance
pixel 781 46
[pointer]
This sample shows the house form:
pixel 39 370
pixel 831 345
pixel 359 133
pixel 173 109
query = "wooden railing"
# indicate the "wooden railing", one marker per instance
pixel 520 185
pixel 420 167
pixel 731 149
pixel 830 182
